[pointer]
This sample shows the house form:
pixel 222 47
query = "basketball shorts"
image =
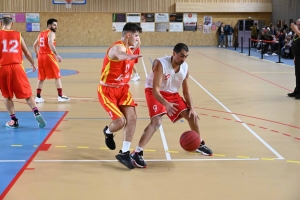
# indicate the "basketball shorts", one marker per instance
pixel 48 67
pixel 111 98
pixel 137 52
pixel 155 108
pixel 13 81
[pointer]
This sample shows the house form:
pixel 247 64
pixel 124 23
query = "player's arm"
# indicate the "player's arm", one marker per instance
pixel 27 53
pixel 158 75
pixel 36 46
pixel 119 52
pixel 51 38
pixel 137 45
pixel 188 98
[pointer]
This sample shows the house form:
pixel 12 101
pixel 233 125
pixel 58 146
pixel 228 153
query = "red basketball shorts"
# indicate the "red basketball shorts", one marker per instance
pixel 111 98
pixel 155 108
pixel 13 81
pixel 47 67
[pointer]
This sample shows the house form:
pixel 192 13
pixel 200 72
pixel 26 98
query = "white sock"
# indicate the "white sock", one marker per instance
pixel 138 149
pixel 126 146
pixel 108 131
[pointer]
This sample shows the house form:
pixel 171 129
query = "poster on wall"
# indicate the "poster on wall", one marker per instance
pixel 118 26
pixel 20 17
pixel 190 26
pixel 118 17
pixel 190 17
pixel 33 27
pixel 176 27
pixel 147 17
pixel 207 23
pixel 133 17
pixel 12 15
pixel 32 17
pixel 161 27
pixel 176 17
pixel 148 27
pixel 161 17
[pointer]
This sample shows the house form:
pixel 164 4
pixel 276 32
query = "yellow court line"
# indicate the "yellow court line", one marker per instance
pixel 267 158
pixel 16 145
pixel 243 157
pixel 218 155
pixel 82 147
pixel 172 151
pixel 61 146
pixel 293 161
pixel 104 148
pixel 149 150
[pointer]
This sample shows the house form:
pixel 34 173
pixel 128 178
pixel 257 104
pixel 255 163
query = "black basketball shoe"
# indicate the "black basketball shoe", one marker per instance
pixel 204 149
pixel 125 159
pixel 138 159
pixel 109 139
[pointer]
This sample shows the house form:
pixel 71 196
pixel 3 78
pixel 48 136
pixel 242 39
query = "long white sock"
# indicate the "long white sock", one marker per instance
pixel 126 146
pixel 138 149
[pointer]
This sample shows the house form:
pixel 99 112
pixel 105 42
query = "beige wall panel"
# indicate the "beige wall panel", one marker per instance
pixel 112 5
pixel 95 29
pixel 223 7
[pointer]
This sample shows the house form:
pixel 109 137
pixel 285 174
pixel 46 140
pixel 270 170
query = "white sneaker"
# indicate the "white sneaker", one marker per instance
pixel 219 46
pixel 274 54
pixel 266 54
pixel 63 98
pixel 136 78
pixel 39 100
pixel 223 45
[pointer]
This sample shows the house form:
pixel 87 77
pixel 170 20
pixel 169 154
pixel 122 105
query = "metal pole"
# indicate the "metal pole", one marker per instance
pixel 249 47
pixel 261 49
pixel 242 44
pixel 279 53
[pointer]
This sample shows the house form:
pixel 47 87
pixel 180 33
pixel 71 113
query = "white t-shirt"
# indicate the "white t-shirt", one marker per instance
pixel 171 81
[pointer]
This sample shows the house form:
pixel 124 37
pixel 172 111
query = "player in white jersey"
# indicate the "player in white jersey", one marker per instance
pixel 168 75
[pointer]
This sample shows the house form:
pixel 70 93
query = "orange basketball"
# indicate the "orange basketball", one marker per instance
pixel 190 140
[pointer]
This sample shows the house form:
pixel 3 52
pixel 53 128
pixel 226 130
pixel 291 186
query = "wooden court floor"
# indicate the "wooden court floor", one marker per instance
pixel 246 118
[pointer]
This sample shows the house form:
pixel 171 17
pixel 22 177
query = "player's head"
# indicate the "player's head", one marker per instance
pixel 6 20
pixel 180 53
pixel 52 24
pixel 131 33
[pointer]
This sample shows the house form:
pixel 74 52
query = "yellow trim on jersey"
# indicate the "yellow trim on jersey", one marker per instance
pixel 105 72
pixel 53 59
pixel 110 105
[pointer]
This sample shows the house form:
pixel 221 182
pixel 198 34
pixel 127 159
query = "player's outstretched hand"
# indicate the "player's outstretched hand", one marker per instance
pixel 192 113
pixel 171 110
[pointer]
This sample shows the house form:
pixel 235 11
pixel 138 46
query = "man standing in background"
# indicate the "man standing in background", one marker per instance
pixel 48 68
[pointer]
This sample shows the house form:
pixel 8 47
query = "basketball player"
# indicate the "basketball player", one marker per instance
pixel 13 79
pixel 47 55
pixel 136 50
pixel 113 91
pixel 168 74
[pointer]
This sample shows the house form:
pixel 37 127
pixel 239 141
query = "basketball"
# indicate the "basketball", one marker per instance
pixel 190 140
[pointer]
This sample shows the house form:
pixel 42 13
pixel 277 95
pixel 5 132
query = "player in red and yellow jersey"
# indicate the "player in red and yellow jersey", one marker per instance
pixel 13 79
pixel 113 91
pixel 47 55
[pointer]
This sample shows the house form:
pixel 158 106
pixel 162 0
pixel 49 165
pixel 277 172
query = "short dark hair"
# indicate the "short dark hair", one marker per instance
pixel 50 21
pixel 178 47
pixel 6 20
pixel 131 27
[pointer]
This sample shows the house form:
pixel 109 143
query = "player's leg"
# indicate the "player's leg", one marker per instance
pixel 9 104
pixel 41 78
pixel 156 111
pixel 61 97
pixel 22 90
pixel 135 75
pixel 194 126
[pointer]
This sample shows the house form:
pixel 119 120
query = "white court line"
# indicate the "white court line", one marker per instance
pixel 158 160
pixel 245 125
pixel 162 133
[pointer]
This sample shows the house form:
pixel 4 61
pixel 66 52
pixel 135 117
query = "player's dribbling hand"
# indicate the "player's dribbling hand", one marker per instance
pixel 171 110
pixel 58 58
pixel 192 113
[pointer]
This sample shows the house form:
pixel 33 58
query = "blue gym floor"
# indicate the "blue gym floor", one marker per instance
pixel 19 146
